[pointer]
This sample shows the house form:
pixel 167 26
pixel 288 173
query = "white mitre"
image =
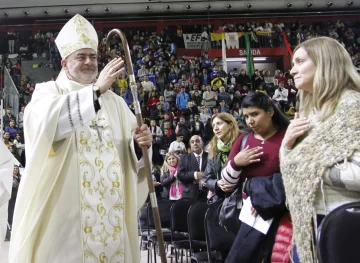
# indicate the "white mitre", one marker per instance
pixel 77 33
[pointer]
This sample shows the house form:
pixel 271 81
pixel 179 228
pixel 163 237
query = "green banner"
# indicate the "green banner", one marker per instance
pixel 249 59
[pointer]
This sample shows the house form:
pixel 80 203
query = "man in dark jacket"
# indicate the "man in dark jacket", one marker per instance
pixel 158 114
pixel 243 79
pixel 183 127
pixel 208 131
pixel 8 116
pixel 166 140
pixel 191 169
pixel 197 127
pixel 223 95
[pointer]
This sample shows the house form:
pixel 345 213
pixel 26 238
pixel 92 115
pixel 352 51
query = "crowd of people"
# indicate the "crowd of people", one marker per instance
pixel 215 131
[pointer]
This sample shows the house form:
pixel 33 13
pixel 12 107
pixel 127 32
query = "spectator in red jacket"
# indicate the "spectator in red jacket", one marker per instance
pixel 281 77
pixel 292 92
pixel 281 252
pixel 151 103
pixel 194 80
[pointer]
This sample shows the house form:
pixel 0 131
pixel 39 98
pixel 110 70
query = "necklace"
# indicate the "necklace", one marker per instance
pixel 264 138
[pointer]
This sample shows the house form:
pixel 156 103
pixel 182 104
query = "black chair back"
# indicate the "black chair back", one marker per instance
pixel 179 212
pixel 195 219
pixel 164 206
pixel 217 238
pixel 339 235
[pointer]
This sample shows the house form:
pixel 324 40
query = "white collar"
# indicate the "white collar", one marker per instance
pixel 196 155
pixel 69 85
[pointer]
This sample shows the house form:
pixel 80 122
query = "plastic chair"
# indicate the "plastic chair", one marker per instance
pixel 339 235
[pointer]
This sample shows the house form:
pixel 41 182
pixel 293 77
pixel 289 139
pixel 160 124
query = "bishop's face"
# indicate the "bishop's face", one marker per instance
pixel 81 66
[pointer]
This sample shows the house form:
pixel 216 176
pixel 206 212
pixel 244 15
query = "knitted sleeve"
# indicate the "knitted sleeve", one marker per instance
pixel 346 175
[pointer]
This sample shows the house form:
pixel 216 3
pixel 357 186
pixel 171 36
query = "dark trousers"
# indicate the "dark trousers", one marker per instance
pixel 293 101
pixel 252 246
pixel 284 105
pixel 11 209
pixel 156 157
pixel 245 245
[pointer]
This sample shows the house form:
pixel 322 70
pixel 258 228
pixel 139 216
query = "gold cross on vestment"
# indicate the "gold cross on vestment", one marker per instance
pixel 97 128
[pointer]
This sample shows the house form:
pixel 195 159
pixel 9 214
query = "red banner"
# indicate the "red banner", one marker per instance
pixel 287 43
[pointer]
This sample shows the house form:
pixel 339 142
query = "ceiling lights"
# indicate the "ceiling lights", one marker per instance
pixel 156 7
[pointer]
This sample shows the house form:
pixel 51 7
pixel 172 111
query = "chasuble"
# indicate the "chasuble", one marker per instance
pixel 83 183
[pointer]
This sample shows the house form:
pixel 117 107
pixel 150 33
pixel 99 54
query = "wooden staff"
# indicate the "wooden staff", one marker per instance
pixel 137 108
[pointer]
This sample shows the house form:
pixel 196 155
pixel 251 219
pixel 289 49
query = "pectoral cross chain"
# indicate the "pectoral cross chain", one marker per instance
pixel 97 128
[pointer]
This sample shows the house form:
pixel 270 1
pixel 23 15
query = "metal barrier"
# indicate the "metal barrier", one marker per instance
pixel 259 39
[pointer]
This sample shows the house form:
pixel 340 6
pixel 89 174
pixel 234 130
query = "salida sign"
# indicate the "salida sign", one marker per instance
pixel 254 52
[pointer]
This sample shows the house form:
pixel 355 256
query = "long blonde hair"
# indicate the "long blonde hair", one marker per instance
pixel 166 167
pixel 233 131
pixel 334 74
